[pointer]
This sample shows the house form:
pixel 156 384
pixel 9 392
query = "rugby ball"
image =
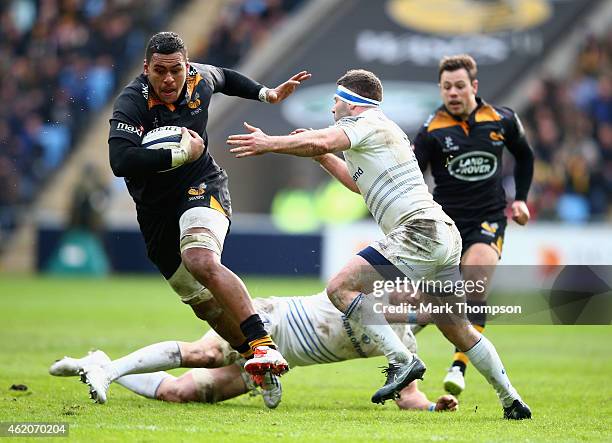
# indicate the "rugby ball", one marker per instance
pixel 166 137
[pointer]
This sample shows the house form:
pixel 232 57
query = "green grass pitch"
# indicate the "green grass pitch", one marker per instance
pixel 562 372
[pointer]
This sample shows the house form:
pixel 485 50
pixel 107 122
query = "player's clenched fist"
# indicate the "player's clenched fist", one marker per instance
pixel 446 403
pixel 520 212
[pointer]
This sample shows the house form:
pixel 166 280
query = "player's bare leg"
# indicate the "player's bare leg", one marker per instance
pixel 139 371
pixel 231 293
pixel 477 265
pixel 208 352
pixel 200 385
pixel 347 291
pixel 204 264
pixel 156 357
pixel 224 324
pixel 203 385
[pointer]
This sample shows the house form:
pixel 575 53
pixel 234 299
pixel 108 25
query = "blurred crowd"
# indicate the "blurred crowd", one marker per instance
pixel 243 25
pixel 59 64
pixel 569 123
pixel 60 60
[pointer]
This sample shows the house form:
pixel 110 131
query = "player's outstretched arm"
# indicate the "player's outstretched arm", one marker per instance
pixel 236 84
pixel 303 144
pixel 337 168
pixel 287 88
pixel 333 165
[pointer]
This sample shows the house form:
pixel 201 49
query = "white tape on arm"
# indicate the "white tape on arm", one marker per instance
pixel 263 95
pixel 180 154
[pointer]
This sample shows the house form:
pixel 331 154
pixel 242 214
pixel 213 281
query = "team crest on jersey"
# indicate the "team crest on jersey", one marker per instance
pixel 197 191
pixel 497 136
pixel 195 101
pixel 449 144
pixel 473 166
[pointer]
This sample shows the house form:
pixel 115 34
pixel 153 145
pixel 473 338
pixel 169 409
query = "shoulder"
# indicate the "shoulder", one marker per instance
pixel 209 73
pixel 489 112
pixel 198 68
pixel 438 119
pixel 133 96
pixel 509 118
pixel 506 112
pixel 350 121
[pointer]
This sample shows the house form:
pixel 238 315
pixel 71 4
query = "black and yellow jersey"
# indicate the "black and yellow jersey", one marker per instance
pixel 137 110
pixel 466 160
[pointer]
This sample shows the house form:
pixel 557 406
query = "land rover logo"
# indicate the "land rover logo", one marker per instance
pixel 473 166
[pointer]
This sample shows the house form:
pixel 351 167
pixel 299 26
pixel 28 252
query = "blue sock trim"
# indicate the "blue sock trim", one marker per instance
pixel 378 261
pixel 354 304
pixel 412 318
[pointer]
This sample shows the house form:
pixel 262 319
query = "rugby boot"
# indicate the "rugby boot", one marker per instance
pixel 517 411
pixel 266 359
pixel 398 377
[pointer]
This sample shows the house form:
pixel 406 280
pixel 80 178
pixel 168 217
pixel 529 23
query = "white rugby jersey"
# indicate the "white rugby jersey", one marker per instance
pixel 310 330
pixel 386 171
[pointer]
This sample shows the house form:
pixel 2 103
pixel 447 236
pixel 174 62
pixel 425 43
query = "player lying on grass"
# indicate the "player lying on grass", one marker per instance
pixel 308 330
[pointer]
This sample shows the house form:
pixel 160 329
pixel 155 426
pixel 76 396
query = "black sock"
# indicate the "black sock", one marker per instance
pixel 480 318
pixel 253 328
pixel 244 347
pixel 460 365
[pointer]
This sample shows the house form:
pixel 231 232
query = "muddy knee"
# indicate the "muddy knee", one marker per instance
pixel 188 288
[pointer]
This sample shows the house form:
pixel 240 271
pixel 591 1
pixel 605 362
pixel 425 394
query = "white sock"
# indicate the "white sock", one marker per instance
pixel 143 384
pixel 375 326
pixel 156 357
pixel 485 359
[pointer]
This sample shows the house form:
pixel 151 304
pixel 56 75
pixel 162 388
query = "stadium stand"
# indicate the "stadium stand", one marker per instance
pixel 63 59
pixel 569 121
pixel 69 58
pixel 64 56
pixel 242 26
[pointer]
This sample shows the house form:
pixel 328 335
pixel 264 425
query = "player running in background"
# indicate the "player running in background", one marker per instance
pixel 421 241
pixel 463 142
pixel 308 330
pixel 181 194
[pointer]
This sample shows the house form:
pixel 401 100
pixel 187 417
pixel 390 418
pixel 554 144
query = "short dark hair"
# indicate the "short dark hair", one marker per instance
pixel 456 62
pixel 165 43
pixel 362 82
